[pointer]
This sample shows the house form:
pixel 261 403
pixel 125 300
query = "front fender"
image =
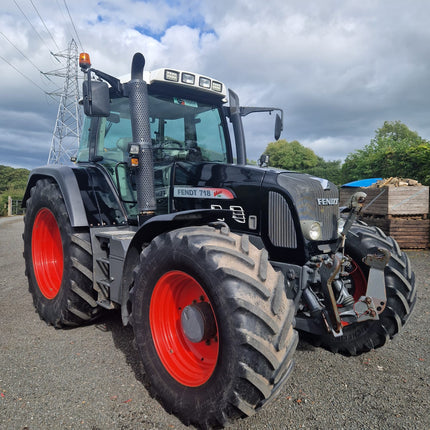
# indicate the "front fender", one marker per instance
pixel 66 180
pixel 167 222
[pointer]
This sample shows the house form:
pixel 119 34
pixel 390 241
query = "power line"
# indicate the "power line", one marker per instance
pixel 22 53
pixel 67 26
pixel 73 24
pixel 32 26
pixel 43 22
pixel 26 77
pixel 28 59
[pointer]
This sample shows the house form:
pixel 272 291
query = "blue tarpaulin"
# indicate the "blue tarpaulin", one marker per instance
pixel 362 182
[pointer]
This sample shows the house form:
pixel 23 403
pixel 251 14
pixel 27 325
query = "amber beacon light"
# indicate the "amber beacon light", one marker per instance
pixel 84 60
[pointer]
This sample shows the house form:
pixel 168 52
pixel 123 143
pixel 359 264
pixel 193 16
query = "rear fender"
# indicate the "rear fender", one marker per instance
pixel 66 180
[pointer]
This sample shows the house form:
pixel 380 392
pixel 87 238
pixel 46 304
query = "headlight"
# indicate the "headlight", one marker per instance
pixel 171 75
pixel 340 225
pixel 188 78
pixel 311 230
pixel 204 82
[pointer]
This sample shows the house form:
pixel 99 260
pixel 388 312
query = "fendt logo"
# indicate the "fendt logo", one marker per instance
pixel 327 202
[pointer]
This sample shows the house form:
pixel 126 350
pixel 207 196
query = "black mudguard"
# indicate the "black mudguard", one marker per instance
pixel 66 180
pixel 167 222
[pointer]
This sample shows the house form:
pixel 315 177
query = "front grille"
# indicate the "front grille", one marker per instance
pixel 306 191
pixel 281 226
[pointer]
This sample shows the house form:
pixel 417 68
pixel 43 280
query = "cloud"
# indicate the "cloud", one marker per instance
pixel 338 69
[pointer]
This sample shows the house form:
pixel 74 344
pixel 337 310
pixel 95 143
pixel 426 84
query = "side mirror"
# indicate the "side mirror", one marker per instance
pixel 278 127
pixel 96 98
pixel 264 160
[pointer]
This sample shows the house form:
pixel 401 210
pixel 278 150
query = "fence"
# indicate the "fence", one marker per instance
pixel 14 207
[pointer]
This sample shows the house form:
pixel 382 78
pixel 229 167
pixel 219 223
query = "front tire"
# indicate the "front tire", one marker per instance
pixel 400 290
pixel 58 260
pixel 246 355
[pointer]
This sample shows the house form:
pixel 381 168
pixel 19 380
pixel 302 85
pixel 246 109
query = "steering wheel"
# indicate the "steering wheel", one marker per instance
pixel 171 142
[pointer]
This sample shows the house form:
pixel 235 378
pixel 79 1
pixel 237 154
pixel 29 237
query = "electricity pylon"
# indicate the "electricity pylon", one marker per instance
pixel 65 138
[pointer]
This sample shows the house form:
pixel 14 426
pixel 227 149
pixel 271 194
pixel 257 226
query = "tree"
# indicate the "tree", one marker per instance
pixel 290 155
pixel 294 156
pixel 394 151
pixel 330 170
pixel 12 183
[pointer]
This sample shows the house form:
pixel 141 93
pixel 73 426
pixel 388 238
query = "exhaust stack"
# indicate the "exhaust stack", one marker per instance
pixel 139 112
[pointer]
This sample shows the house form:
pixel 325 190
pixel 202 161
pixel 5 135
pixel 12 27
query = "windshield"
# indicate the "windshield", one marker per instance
pixel 181 130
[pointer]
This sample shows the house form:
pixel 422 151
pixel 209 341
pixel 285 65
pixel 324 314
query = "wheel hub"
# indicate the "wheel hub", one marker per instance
pixel 198 322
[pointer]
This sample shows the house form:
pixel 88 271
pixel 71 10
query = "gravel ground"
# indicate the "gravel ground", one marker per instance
pixel 90 377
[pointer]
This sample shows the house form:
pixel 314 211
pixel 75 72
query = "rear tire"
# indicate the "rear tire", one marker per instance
pixel 58 260
pixel 249 354
pixel 400 289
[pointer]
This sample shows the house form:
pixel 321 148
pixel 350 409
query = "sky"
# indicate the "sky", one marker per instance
pixel 338 68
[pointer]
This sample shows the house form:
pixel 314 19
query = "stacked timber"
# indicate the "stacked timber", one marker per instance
pixel 399 207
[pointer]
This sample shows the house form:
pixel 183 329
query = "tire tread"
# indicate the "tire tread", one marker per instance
pixel 256 298
pixel 75 303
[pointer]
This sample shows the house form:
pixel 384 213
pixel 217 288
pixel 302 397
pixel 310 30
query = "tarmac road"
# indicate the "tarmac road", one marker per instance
pixel 90 377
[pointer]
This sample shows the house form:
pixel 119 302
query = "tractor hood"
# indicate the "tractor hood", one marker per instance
pixel 278 206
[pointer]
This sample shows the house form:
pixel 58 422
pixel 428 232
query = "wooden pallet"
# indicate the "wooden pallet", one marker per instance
pixel 410 232
pixel 391 200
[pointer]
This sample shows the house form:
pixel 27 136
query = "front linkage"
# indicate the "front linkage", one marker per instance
pixel 326 285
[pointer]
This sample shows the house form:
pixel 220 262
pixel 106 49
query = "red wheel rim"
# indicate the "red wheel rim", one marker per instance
pixel 47 253
pixel 191 364
pixel 359 280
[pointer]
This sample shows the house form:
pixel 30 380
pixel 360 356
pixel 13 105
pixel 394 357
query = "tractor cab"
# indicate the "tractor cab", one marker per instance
pixel 187 125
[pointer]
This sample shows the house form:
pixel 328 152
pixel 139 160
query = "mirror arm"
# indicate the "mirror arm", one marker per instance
pixel 247 110
pixel 115 83
pixel 279 124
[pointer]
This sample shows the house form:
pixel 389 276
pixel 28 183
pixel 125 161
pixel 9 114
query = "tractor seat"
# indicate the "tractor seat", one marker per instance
pixel 123 142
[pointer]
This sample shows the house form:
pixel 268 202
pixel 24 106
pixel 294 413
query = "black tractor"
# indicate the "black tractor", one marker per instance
pixel 216 264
